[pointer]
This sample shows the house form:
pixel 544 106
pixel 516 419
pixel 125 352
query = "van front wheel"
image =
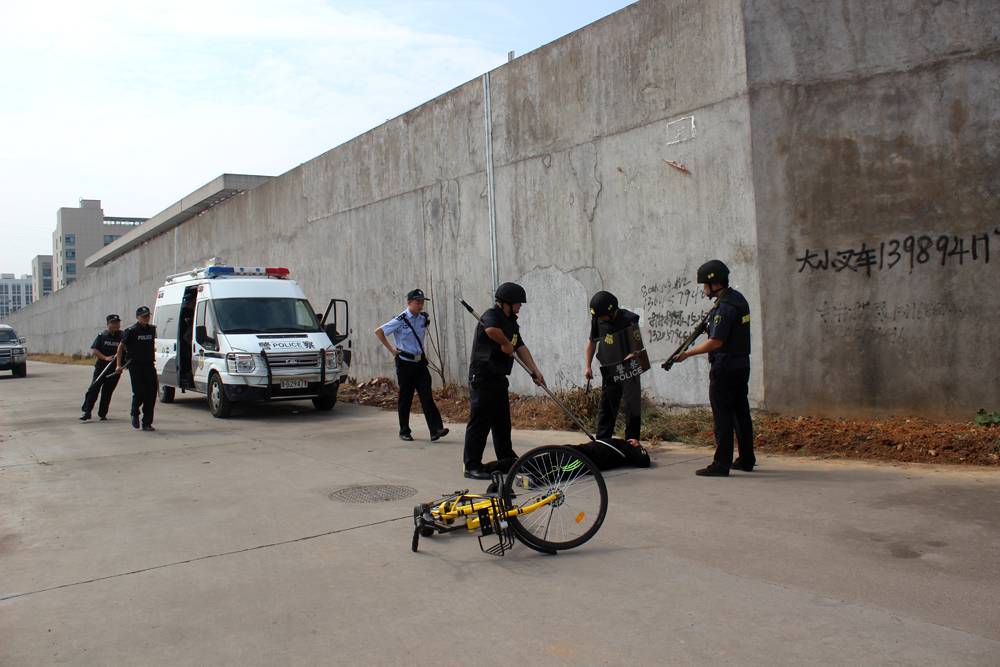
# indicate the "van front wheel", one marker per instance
pixel 325 402
pixel 218 403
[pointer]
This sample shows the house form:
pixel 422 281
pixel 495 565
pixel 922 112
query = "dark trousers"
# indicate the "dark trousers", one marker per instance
pixel 105 388
pixel 727 391
pixel 612 394
pixel 143 391
pixel 415 376
pixel 489 410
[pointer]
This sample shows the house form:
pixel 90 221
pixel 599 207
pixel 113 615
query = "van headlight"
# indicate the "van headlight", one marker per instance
pixel 240 363
pixel 333 358
pixel 18 351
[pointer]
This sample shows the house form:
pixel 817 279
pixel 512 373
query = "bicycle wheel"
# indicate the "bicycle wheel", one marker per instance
pixel 579 507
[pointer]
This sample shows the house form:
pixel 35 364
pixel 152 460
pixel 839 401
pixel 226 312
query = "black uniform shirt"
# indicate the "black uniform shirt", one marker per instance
pixel 107 344
pixel 487 357
pixel 140 344
pixel 730 323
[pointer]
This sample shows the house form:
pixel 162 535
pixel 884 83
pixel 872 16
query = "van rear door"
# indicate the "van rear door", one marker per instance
pixel 166 315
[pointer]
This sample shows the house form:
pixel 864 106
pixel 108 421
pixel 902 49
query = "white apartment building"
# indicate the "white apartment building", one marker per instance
pixel 81 232
pixel 15 293
pixel 41 276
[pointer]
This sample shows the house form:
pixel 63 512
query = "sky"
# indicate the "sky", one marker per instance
pixel 138 104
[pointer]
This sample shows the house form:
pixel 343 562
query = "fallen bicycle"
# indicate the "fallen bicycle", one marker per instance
pixel 553 498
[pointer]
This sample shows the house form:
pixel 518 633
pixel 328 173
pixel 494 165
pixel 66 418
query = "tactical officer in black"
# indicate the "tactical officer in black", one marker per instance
pixel 607 320
pixel 497 340
pixel 104 348
pixel 139 343
pixel 728 349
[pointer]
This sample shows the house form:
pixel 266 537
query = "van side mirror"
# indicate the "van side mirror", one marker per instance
pixel 206 341
pixel 22 341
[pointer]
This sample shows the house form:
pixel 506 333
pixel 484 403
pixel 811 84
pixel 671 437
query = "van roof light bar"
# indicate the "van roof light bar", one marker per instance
pixel 278 272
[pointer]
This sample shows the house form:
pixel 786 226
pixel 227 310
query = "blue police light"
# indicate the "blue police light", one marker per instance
pixel 213 271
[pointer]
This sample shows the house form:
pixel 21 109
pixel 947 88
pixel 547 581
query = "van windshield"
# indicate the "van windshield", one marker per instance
pixel 8 336
pixel 264 315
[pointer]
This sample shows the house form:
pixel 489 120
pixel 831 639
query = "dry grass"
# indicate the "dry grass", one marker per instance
pixel 75 359
pixel 898 439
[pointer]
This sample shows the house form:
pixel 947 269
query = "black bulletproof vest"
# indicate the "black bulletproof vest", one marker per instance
pixel 487 357
pixel 738 343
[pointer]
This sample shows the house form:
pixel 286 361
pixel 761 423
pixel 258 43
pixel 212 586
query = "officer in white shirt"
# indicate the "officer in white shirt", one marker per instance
pixel 408 330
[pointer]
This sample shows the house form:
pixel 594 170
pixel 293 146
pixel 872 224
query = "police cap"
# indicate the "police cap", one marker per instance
pixel 113 318
pixel 416 294
pixel 142 310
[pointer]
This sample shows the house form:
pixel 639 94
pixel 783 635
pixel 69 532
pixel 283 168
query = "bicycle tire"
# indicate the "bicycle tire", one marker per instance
pixel 583 472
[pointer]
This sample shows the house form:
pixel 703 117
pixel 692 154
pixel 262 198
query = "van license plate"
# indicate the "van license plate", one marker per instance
pixel 294 384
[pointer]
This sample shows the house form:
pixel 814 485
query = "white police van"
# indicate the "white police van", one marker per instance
pixel 247 334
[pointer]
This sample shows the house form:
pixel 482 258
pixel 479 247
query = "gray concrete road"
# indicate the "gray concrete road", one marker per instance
pixel 216 542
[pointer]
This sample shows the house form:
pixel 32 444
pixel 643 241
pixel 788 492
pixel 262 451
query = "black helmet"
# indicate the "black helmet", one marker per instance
pixel 713 271
pixel 511 293
pixel 603 303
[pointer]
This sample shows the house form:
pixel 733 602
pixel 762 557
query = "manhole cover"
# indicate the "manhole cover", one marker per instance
pixel 376 493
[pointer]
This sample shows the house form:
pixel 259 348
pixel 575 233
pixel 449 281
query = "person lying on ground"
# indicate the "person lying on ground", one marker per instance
pixel 605 454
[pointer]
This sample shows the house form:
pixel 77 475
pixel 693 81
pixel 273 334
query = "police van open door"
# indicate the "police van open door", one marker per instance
pixel 337 321
pixel 242 334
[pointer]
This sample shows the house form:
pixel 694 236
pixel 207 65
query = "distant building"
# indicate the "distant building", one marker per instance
pixel 15 293
pixel 80 232
pixel 41 276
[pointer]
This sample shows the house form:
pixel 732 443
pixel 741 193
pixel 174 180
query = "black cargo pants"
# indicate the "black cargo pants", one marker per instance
pixel 612 394
pixel 105 389
pixel 144 385
pixel 415 376
pixel 489 411
pixel 727 392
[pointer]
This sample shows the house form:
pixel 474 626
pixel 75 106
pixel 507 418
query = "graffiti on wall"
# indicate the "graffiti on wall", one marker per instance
pixel 673 308
pixel 883 319
pixel 908 253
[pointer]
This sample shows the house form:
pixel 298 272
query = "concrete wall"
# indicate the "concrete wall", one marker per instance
pixel 876 126
pixel 805 127
pixel 584 201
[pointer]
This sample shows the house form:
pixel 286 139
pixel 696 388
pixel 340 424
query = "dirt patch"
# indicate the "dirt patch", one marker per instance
pixel 909 439
pixel 75 359
pixel 902 439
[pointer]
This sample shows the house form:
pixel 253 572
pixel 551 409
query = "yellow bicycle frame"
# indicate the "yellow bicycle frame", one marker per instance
pixel 450 510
